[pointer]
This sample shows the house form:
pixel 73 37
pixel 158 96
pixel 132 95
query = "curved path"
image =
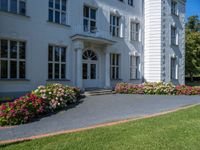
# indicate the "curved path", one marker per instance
pixel 96 110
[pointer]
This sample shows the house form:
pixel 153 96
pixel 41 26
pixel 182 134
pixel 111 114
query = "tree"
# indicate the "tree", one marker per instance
pixel 193 47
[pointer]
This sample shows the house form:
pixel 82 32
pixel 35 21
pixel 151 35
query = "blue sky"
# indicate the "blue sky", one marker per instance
pixel 193 8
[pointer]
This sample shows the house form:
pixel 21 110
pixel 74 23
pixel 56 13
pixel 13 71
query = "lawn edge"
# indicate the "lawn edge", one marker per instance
pixel 107 124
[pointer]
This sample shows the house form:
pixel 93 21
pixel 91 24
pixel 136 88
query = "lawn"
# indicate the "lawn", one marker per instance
pixel 175 131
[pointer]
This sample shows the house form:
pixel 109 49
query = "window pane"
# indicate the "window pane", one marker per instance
pixel 22 52
pixel 13 49
pixel 92 26
pixel 63 71
pixel 22 8
pixel 63 54
pixel 50 53
pixel 86 11
pixel 4 49
pixel 51 3
pixel 57 4
pixel 13 6
pixel 63 18
pixel 57 68
pixel 13 69
pixel 93 71
pixel 4 69
pixel 50 15
pixel 93 14
pixel 57 54
pixel 57 16
pixel 22 70
pixel 50 71
pixel 85 24
pixel 4 5
pixel 117 73
pixel 85 71
pixel 64 3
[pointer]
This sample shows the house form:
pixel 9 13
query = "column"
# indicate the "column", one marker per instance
pixel 107 69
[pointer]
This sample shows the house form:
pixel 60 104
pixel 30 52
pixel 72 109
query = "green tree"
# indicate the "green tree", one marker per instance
pixel 193 47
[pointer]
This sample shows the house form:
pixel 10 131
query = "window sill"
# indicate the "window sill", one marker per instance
pixel 58 80
pixel 14 80
pixel 58 24
pixel 175 15
pixel 135 79
pixel 116 79
pixel 174 45
pixel 15 14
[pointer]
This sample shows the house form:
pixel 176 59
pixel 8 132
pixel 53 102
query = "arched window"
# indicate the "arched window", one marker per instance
pixel 89 55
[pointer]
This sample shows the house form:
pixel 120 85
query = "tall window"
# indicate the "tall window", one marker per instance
pixel 134 67
pixel 58 11
pixel 174 8
pixel 13 6
pixel 174 67
pixel 114 66
pixel 130 2
pixel 174 36
pixel 12 59
pixel 57 62
pixel 114 25
pixel 89 21
pixel 135 29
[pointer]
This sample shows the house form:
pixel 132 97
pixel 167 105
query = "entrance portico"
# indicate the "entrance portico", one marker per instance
pixel 92 64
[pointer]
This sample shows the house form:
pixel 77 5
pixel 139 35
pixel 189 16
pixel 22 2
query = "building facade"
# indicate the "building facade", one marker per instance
pixel 90 43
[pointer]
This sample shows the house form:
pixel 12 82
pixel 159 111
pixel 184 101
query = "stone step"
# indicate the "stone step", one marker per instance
pixel 98 92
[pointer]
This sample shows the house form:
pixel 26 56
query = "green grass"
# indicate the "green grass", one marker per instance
pixel 195 83
pixel 175 131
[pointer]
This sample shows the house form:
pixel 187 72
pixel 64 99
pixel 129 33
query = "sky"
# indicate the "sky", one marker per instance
pixel 192 8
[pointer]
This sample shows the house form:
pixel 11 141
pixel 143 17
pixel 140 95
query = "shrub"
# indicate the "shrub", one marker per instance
pixel 58 95
pixel 159 88
pixel 22 110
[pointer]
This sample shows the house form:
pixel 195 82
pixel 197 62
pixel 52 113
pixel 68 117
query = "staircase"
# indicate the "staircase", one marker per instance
pixel 95 92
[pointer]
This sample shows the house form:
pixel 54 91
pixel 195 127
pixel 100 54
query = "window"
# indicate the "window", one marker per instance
pixel 13 6
pixel 57 62
pixel 130 2
pixel 174 9
pixel 114 25
pixel 58 11
pixel 12 59
pixel 174 36
pixel 89 21
pixel 134 67
pixel 135 28
pixel 114 66
pixel 174 68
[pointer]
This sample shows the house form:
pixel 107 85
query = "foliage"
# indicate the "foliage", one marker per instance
pixel 58 95
pixel 22 110
pixel 159 88
pixel 193 46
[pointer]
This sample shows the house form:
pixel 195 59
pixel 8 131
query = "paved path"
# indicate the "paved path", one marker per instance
pixel 99 109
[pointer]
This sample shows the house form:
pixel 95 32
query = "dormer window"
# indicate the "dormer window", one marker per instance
pixel 114 25
pixel 134 31
pixel 89 19
pixel 130 2
pixel 174 7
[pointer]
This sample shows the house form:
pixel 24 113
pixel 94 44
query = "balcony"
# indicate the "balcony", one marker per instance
pixel 92 34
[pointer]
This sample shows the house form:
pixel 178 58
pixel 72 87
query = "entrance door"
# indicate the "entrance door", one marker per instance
pixel 90 69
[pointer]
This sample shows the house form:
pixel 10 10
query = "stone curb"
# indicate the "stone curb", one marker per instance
pixel 96 126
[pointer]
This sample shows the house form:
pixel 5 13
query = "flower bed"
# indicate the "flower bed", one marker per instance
pixel 44 100
pixel 159 88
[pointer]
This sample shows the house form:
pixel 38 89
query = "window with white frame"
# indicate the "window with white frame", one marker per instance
pixel 130 2
pixel 114 66
pixel 174 68
pixel 13 6
pixel 12 59
pixel 58 11
pixel 134 31
pixel 89 21
pixel 57 62
pixel 174 8
pixel 115 25
pixel 134 67
pixel 174 36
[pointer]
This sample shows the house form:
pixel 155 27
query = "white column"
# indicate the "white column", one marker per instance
pixel 107 70
pixel 78 46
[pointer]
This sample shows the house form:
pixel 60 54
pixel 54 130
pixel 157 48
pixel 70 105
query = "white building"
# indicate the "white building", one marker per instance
pixel 90 43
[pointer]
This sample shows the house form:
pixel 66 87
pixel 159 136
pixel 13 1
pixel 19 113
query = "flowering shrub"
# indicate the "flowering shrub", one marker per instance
pixel 58 95
pixel 159 88
pixel 22 110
